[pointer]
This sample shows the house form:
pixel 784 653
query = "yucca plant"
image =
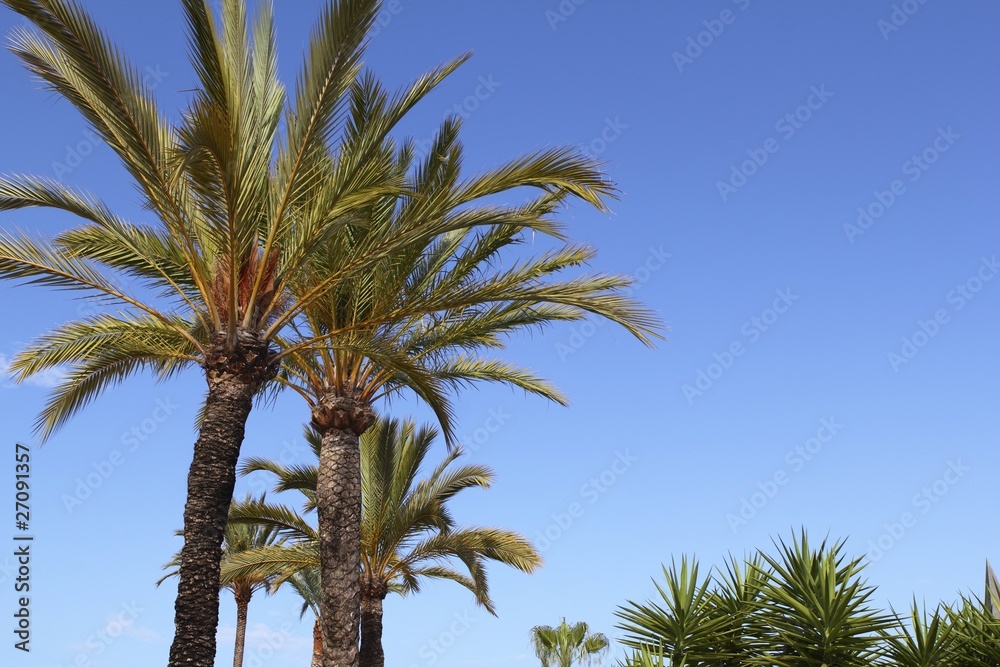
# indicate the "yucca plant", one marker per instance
pixel 736 599
pixel 565 645
pixel 977 634
pixel 408 535
pixel 815 610
pixel 922 640
pixel 685 624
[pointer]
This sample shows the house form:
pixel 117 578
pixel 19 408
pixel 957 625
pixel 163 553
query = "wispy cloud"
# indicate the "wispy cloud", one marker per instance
pixel 287 636
pixel 47 379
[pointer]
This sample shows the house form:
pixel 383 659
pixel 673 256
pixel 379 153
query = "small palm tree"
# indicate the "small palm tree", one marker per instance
pixel 407 532
pixel 239 538
pixel 565 645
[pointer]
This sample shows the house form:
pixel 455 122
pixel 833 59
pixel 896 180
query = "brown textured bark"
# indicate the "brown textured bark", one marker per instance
pixel 340 420
pixel 242 605
pixel 317 657
pixel 372 654
pixel 234 378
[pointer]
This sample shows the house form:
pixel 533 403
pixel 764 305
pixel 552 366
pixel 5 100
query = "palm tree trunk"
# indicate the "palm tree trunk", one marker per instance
pixel 233 380
pixel 317 658
pixel 340 420
pixel 372 654
pixel 242 605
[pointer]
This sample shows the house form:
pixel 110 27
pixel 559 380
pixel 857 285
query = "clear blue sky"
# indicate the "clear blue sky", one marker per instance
pixel 767 259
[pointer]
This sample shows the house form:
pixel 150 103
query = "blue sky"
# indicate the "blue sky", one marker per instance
pixel 805 202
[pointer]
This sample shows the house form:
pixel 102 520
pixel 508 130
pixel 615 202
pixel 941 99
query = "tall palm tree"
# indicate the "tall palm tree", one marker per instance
pixel 565 645
pixel 407 532
pixel 418 320
pixel 244 189
pixel 239 538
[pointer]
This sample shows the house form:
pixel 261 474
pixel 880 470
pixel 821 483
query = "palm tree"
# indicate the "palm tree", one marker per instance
pixel 565 645
pixel 416 322
pixel 245 189
pixel 239 538
pixel 407 532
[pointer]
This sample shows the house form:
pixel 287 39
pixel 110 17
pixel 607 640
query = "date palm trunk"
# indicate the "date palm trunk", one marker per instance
pixel 234 377
pixel 242 606
pixel 340 420
pixel 317 657
pixel 372 654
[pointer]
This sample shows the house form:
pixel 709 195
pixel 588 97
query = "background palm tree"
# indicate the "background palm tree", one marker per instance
pixel 565 645
pixel 407 532
pixel 240 538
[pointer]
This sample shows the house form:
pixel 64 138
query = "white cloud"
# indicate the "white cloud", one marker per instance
pixel 47 379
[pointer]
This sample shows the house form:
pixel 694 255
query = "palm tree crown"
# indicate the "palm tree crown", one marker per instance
pixel 565 645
